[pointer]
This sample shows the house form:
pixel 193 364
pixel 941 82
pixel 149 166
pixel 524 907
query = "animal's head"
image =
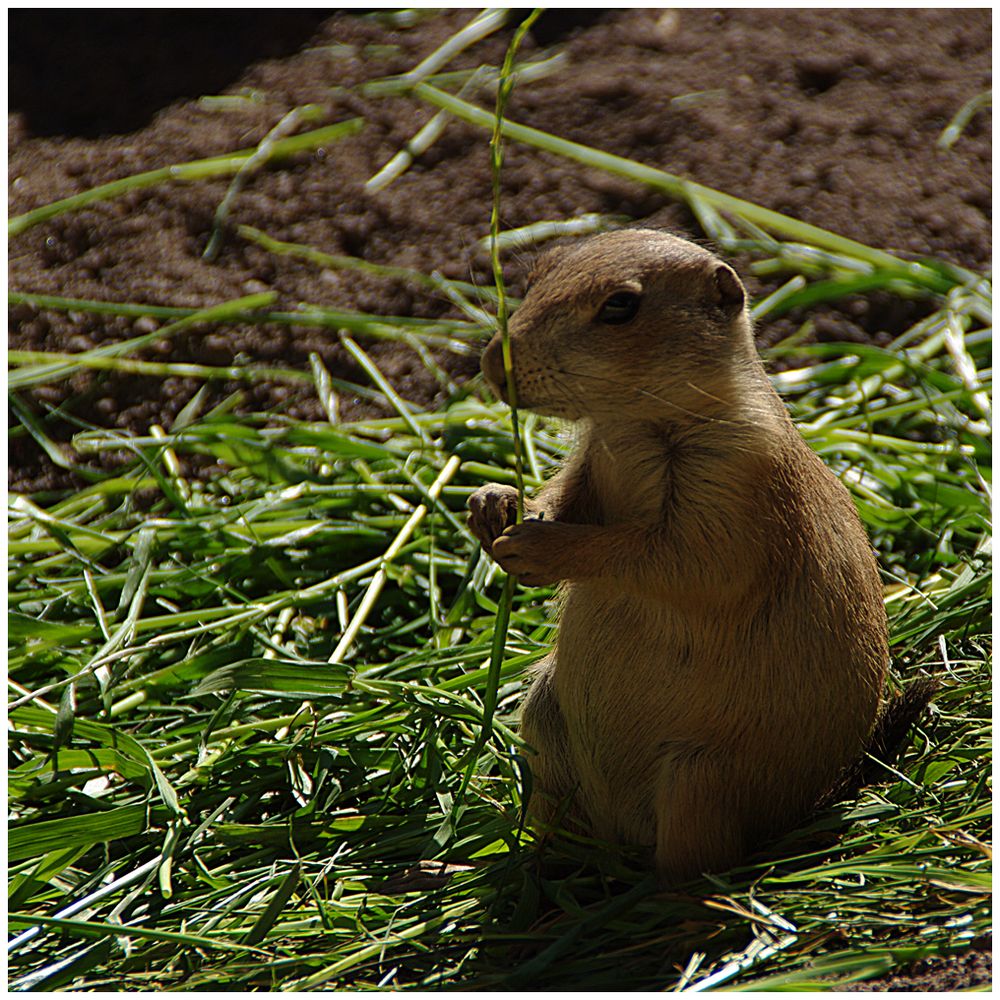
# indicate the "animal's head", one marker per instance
pixel 634 322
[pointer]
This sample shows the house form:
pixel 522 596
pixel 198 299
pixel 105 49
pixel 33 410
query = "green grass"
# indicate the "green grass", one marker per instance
pixel 243 707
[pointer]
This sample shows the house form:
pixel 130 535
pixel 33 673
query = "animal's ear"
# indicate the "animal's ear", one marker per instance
pixel 731 297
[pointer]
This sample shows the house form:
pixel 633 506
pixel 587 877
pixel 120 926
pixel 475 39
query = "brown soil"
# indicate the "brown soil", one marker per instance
pixel 831 116
pixel 974 968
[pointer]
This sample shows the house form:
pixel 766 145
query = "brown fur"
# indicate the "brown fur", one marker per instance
pixel 722 643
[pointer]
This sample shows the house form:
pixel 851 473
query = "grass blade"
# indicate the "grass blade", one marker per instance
pixel 213 166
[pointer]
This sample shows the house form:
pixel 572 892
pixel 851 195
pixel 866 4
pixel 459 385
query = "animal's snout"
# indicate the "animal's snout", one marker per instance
pixel 492 366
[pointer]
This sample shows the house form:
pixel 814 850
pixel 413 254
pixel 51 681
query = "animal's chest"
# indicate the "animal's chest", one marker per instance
pixel 630 483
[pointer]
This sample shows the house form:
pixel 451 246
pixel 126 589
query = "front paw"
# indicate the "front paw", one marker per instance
pixel 492 509
pixel 527 551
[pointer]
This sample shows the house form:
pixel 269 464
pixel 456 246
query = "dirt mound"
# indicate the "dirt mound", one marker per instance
pixel 938 975
pixel 829 115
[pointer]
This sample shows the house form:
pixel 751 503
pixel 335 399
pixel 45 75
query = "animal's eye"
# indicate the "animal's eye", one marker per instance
pixel 619 308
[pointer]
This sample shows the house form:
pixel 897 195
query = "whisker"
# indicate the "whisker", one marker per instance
pixel 704 392
pixel 660 399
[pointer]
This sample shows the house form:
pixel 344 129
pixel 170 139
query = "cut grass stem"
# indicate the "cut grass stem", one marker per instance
pixel 264 152
pixel 378 581
pixel 455 336
pixel 339 262
pixel 41 374
pixel 214 166
pixel 686 191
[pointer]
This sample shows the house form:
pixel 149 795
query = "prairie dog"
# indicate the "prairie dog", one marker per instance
pixel 722 643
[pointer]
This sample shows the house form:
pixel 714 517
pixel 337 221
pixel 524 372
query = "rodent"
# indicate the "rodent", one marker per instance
pixel 722 644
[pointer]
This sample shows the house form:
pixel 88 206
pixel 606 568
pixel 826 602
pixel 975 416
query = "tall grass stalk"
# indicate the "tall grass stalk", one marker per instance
pixel 502 622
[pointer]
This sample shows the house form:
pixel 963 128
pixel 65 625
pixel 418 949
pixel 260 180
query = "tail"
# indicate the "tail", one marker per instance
pixel 888 740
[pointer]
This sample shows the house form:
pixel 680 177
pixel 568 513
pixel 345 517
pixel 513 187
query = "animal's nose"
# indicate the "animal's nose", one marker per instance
pixel 492 366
